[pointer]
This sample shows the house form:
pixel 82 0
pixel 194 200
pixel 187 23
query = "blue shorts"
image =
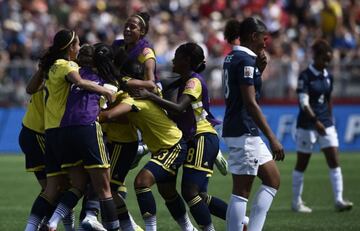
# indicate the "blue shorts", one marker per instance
pixel 165 164
pixel 202 152
pixel 83 145
pixel 53 144
pixel 33 146
pixel 122 156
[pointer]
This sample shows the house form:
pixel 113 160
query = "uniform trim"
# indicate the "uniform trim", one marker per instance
pixel 99 136
pixel 97 166
pixel 142 190
pixel 36 169
pixel 77 163
pixel 41 141
pixel 165 168
pixel 114 157
pixel 56 174
pixel 200 169
pixel 117 182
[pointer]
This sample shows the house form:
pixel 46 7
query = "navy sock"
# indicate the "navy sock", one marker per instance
pixel 216 206
pixel 108 214
pixel 200 211
pixel 146 201
pixel 176 207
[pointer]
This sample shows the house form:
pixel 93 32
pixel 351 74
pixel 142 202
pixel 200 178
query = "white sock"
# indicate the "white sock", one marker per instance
pixel 337 183
pixel 185 223
pixel 297 186
pixel 33 223
pixel 150 223
pixel 209 227
pixel 69 221
pixel 235 213
pixel 260 206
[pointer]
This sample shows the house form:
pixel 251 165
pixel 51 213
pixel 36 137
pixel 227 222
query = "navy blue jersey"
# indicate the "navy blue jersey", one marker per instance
pixel 239 69
pixel 318 85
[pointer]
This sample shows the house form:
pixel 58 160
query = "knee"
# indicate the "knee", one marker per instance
pixel 143 180
pixel 189 192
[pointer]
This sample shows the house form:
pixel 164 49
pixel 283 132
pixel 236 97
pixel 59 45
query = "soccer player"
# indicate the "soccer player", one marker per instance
pixel 72 136
pixel 193 117
pixel 315 125
pixel 248 154
pixel 168 151
pixel 136 45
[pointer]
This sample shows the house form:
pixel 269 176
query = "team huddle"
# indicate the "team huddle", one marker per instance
pixel 95 110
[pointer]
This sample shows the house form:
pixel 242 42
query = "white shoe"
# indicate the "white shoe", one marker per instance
pixel 300 208
pixel 92 224
pixel 343 205
pixel 221 164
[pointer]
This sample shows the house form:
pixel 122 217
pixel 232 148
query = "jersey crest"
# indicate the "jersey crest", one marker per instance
pixel 248 72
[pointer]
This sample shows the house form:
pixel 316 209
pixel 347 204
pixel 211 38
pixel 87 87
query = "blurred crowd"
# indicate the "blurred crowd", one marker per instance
pixel 27 27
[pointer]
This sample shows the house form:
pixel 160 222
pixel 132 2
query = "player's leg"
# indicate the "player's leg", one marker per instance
pixel 270 177
pixel 202 152
pixel 45 204
pixel 168 166
pixel 305 140
pixel 329 145
pixel 121 157
pixel 146 201
pixel 242 164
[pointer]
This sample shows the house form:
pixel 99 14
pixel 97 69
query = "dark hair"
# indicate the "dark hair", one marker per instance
pixel 86 56
pixel 103 61
pixel 62 40
pixel 144 19
pixel 249 26
pixel 132 68
pixel 231 31
pixel 196 54
pixel 321 46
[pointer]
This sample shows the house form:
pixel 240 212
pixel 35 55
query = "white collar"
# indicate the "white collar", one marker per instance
pixel 316 72
pixel 244 49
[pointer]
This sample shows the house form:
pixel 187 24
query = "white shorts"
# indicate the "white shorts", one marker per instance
pixel 305 139
pixel 246 154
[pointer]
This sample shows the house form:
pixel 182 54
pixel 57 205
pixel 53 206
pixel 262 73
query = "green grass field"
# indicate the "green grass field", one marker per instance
pixel 18 190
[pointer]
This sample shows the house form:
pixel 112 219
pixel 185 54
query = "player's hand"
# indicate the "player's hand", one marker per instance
pixel 261 61
pixel 277 150
pixel 320 128
pixel 141 94
pixel 109 95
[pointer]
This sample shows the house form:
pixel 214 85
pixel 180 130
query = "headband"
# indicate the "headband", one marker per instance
pixel 141 19
pixel 71 40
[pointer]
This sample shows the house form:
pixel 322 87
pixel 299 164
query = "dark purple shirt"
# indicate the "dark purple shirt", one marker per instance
pixel 82 106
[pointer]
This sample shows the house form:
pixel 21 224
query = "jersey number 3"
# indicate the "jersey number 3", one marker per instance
pixel 226 83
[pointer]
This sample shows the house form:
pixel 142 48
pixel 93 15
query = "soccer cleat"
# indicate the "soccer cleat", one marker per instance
pixel 140 154
pixel 221 163
pixel 92 224
pixel 343 205
pixel 138 228
pixel 300 208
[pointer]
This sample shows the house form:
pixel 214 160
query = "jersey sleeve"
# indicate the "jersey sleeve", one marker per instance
pixel 246 71
pixel 146 54
pixel 70 66
pixel 303 83
pixel 193 88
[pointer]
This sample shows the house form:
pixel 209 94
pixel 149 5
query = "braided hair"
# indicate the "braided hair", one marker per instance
pixel 196 54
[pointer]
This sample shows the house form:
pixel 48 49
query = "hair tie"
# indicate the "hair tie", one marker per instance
pixel 71 40
pixel 141 19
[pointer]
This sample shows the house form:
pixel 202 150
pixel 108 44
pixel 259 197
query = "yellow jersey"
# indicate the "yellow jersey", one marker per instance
pixel 34 116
